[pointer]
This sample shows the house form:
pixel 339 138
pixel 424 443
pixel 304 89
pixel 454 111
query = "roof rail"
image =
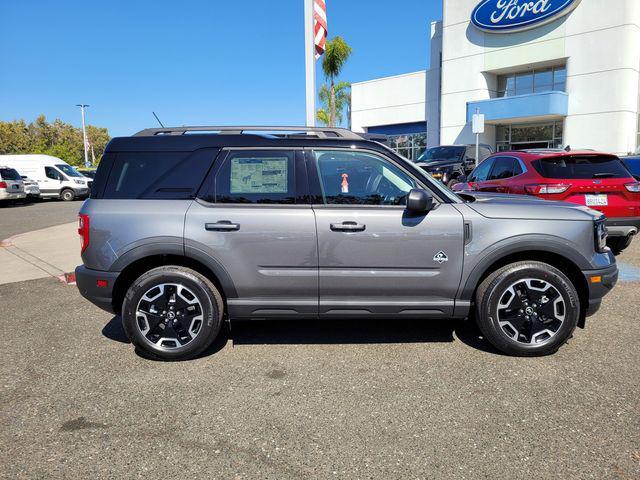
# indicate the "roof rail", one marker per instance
pixel 319 132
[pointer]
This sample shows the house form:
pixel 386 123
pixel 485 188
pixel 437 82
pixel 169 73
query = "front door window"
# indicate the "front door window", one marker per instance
pixel 359 178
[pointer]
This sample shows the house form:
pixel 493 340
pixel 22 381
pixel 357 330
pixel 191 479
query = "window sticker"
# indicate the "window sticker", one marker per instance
pixel 259 175
pixel 345 183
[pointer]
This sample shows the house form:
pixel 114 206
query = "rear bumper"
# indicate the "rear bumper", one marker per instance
pixel 623 226
pixel 599 287
pixel 12 196
pixel 86 280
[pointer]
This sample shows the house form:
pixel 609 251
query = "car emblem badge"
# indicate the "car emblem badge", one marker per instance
pixel 440 257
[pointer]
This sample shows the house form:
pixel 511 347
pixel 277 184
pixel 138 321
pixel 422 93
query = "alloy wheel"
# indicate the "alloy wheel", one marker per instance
pixel 169 315
pixel 531 311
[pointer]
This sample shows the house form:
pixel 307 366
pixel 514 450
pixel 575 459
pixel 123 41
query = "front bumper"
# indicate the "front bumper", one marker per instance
pixel 623 226
pixel 86 280
pixel 600 282
pixel 81 192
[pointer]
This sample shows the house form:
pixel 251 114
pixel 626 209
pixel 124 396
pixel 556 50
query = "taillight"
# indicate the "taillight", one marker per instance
pixel 3 184
pixel 546 189
pixel 83 231
pixel 633 187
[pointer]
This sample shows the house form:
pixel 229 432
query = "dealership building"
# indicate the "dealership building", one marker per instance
pixel 544 73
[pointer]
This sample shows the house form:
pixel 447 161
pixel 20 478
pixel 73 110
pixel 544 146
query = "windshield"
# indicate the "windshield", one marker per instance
pixel 582 167
pixel 68 170
pixel 442 154
pixel 9 174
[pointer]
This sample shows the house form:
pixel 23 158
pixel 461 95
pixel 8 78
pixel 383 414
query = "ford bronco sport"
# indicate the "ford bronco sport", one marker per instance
pixel 187 227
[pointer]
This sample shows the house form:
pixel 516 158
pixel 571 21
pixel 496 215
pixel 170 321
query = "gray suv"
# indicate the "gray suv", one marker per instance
pixel 187 227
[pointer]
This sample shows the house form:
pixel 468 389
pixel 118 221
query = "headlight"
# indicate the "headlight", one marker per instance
pixel 79 182
pixel 601 234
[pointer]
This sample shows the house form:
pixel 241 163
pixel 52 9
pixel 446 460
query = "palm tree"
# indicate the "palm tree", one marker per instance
pixel 338 97
pixel 335 97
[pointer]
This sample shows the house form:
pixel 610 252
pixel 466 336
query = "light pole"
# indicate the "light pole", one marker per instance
pixel 84 135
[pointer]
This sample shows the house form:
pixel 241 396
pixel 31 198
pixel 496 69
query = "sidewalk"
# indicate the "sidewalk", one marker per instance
pixel 50 252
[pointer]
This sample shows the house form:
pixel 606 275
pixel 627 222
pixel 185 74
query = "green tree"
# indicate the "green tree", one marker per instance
pixel 339 98
pixel 334 99
pixel 58 138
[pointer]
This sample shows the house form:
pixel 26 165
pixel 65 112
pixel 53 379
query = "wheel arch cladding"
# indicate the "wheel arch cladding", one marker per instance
pixel 141 265
pixel 540 253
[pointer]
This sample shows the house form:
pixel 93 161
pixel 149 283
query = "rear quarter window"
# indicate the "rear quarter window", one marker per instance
pixel 156 175
pixel 581 167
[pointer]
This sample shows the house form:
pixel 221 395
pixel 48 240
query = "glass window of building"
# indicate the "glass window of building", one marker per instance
pixel 518 137
pixel 532 81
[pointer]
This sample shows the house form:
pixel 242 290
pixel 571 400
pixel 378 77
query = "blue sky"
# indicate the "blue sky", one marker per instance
pixel 192 62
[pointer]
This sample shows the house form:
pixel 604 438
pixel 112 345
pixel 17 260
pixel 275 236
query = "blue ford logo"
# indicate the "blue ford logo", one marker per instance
pixel 516 15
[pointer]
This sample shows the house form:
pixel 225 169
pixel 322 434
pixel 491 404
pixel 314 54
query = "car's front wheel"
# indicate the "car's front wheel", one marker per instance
pixel 67 195
pixel 172 313
pixel 527 308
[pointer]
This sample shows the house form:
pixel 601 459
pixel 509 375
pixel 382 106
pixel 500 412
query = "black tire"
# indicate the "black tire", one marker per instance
pixel 619 244
pixel 495 288
pixel 67 195
pixel 208 296
pixel 452 182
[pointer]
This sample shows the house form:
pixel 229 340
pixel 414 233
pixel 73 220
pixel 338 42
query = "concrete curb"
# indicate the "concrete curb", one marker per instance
pixel 68 278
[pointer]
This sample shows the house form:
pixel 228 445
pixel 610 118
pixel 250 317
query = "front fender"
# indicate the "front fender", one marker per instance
pixel 519 244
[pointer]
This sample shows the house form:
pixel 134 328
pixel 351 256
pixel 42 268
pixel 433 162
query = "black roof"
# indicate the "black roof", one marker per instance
pixel 183 139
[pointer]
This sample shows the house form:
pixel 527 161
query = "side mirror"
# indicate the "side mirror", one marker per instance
pixel 419 201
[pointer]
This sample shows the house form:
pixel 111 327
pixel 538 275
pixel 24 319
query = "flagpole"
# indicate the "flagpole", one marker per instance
pixel 310 63
pixel 84 135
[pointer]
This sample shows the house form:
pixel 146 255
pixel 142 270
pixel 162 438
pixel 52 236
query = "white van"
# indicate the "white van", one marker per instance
pixel 55 177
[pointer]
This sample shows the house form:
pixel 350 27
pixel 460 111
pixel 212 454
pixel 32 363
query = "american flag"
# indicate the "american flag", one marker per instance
pixel 319 26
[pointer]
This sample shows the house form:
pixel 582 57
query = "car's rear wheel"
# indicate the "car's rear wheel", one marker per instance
pixel 172 313
pixel 67 195
pixel 527 308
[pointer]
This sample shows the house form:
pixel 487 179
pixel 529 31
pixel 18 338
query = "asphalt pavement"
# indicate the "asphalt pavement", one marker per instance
pixel 25 217
pixel 339 399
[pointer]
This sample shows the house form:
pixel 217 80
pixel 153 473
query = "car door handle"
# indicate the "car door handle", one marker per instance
pixel 222 226
pixel 348 227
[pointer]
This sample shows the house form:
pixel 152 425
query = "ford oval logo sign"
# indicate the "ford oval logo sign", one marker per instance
pixel 517 15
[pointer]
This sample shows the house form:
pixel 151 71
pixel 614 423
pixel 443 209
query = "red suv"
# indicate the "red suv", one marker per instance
pixel 598 180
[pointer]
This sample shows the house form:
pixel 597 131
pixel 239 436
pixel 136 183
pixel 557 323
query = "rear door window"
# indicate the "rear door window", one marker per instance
pixel 256 176
pixel 481 172
pixel 158 175
pixel 581 167
pixel 503 168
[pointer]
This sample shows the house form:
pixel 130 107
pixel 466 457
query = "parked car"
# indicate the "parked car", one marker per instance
pixel 597 180
pixel 184 231
pixel 89 172
pixel 11 184
pixel 633 165
pixel 55 177
pixel 31 188
pixel 448 162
